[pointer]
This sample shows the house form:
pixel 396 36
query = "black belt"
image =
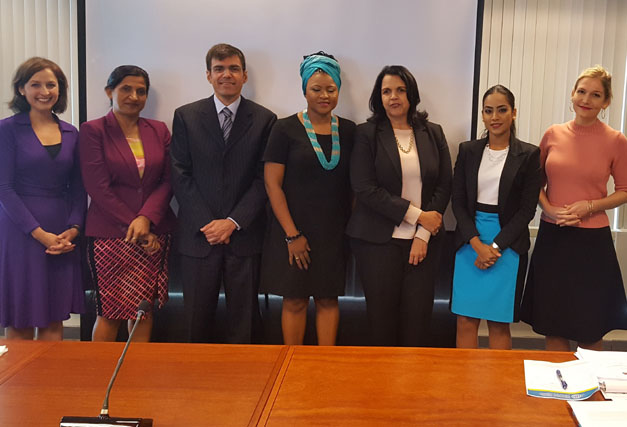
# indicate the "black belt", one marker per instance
pixel 486 208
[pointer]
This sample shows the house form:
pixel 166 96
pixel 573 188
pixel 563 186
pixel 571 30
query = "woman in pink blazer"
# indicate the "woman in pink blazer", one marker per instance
pixel 126 172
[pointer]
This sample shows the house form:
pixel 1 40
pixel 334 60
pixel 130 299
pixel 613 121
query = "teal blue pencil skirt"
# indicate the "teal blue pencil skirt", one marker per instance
pixel 489 294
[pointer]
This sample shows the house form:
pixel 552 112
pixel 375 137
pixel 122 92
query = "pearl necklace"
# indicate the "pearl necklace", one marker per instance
pixel 496 158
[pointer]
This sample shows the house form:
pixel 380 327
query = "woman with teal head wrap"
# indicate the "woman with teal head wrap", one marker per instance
pixel 306 177
pixel 319 62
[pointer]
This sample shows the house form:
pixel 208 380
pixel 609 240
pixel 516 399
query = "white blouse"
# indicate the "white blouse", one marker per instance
pixel 490 169
pixel 412 187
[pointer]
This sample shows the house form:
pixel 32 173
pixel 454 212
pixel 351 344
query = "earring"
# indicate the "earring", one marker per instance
pixel 570 107
pixel 603 113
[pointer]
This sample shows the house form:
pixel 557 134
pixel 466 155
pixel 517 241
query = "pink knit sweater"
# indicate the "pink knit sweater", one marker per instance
pixel 578 161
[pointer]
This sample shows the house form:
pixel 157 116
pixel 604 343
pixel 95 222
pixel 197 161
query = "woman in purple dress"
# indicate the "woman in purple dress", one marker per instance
pixel 42 207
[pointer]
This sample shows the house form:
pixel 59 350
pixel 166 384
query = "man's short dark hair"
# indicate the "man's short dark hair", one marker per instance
pixel 222 51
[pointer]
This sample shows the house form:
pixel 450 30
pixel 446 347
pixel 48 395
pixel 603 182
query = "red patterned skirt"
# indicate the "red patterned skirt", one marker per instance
pixel 124 274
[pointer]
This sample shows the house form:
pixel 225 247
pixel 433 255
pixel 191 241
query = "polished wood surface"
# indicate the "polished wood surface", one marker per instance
pixel 228 385
pixel 352 386
pixel 20 354
pixel 175 384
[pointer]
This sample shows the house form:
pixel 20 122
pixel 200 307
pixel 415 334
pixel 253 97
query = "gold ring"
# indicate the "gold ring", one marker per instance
pixel 296 258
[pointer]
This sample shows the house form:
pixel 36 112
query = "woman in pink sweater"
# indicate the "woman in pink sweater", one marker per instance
pixel 574 287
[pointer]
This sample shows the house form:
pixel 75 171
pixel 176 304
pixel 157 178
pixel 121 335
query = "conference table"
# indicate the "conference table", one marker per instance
pixel 246 385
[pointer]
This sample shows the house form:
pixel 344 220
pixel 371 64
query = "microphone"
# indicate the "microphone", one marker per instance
pixel 104 419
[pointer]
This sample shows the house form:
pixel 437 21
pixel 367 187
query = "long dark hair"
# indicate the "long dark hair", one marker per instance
pixel 414 117
pixel 510 100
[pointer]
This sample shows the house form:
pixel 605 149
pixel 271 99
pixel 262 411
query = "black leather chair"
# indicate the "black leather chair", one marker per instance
pixel 169 325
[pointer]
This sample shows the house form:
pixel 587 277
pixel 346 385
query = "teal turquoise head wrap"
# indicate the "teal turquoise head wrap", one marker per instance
pixel 316 62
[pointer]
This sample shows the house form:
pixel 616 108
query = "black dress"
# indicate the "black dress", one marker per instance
pixel 319 201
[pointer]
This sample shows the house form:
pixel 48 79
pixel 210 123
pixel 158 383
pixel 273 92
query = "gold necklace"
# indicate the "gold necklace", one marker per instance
pixel 411 142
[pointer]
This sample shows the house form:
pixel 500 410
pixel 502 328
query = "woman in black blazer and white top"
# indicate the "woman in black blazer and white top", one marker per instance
pixel 401 176
pixel 495 192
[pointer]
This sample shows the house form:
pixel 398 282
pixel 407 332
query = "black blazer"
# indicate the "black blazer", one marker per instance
pixel 376 177
pixel 519 189
pixel 214 180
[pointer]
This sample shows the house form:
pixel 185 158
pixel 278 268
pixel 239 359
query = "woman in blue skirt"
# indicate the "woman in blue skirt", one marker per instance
pixel 495 192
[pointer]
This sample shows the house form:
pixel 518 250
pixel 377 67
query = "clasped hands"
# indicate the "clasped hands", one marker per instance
pixel 569 215
pixel 139 233
pixel 218 231
pixel 486 254
pixel 431 220
pixel 56 244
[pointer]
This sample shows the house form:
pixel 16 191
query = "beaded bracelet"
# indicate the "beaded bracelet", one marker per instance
pixel 290 239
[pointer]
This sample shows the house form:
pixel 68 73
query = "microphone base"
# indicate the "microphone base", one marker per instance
pixel 105 421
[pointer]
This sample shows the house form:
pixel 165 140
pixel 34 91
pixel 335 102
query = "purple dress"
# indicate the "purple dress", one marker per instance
pixel 37 190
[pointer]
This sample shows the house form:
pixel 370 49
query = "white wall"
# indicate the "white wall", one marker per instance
pixel 38 28
pixel 435 40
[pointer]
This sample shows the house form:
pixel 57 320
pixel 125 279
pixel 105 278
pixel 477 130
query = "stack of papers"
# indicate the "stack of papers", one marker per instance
pixel 3 349
pixel 580 379
pixel 610 367
pixel 568 380
pixel 606 414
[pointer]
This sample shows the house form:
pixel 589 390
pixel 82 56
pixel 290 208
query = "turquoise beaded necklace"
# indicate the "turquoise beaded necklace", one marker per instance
pixel 335 139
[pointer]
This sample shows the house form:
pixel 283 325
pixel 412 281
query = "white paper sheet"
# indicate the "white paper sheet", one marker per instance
pixel 610 367
pixel 541 380
pixel 597 414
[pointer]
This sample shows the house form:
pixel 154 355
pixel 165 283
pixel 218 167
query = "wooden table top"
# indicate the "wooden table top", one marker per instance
pixel 202 384
pixel 175 384
pixel 20 354
pixel 351 386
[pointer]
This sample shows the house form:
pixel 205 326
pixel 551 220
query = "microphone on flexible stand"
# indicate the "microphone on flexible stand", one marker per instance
pixel 104 419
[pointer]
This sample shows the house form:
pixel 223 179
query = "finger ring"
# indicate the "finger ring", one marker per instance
pixel 296 258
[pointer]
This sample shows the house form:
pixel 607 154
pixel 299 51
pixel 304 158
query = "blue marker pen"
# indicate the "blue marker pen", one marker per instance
pixel 561 378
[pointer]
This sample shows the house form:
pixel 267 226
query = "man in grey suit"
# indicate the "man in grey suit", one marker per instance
pixel 217 171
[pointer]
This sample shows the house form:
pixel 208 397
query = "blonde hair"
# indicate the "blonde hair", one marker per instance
pixel 597 72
